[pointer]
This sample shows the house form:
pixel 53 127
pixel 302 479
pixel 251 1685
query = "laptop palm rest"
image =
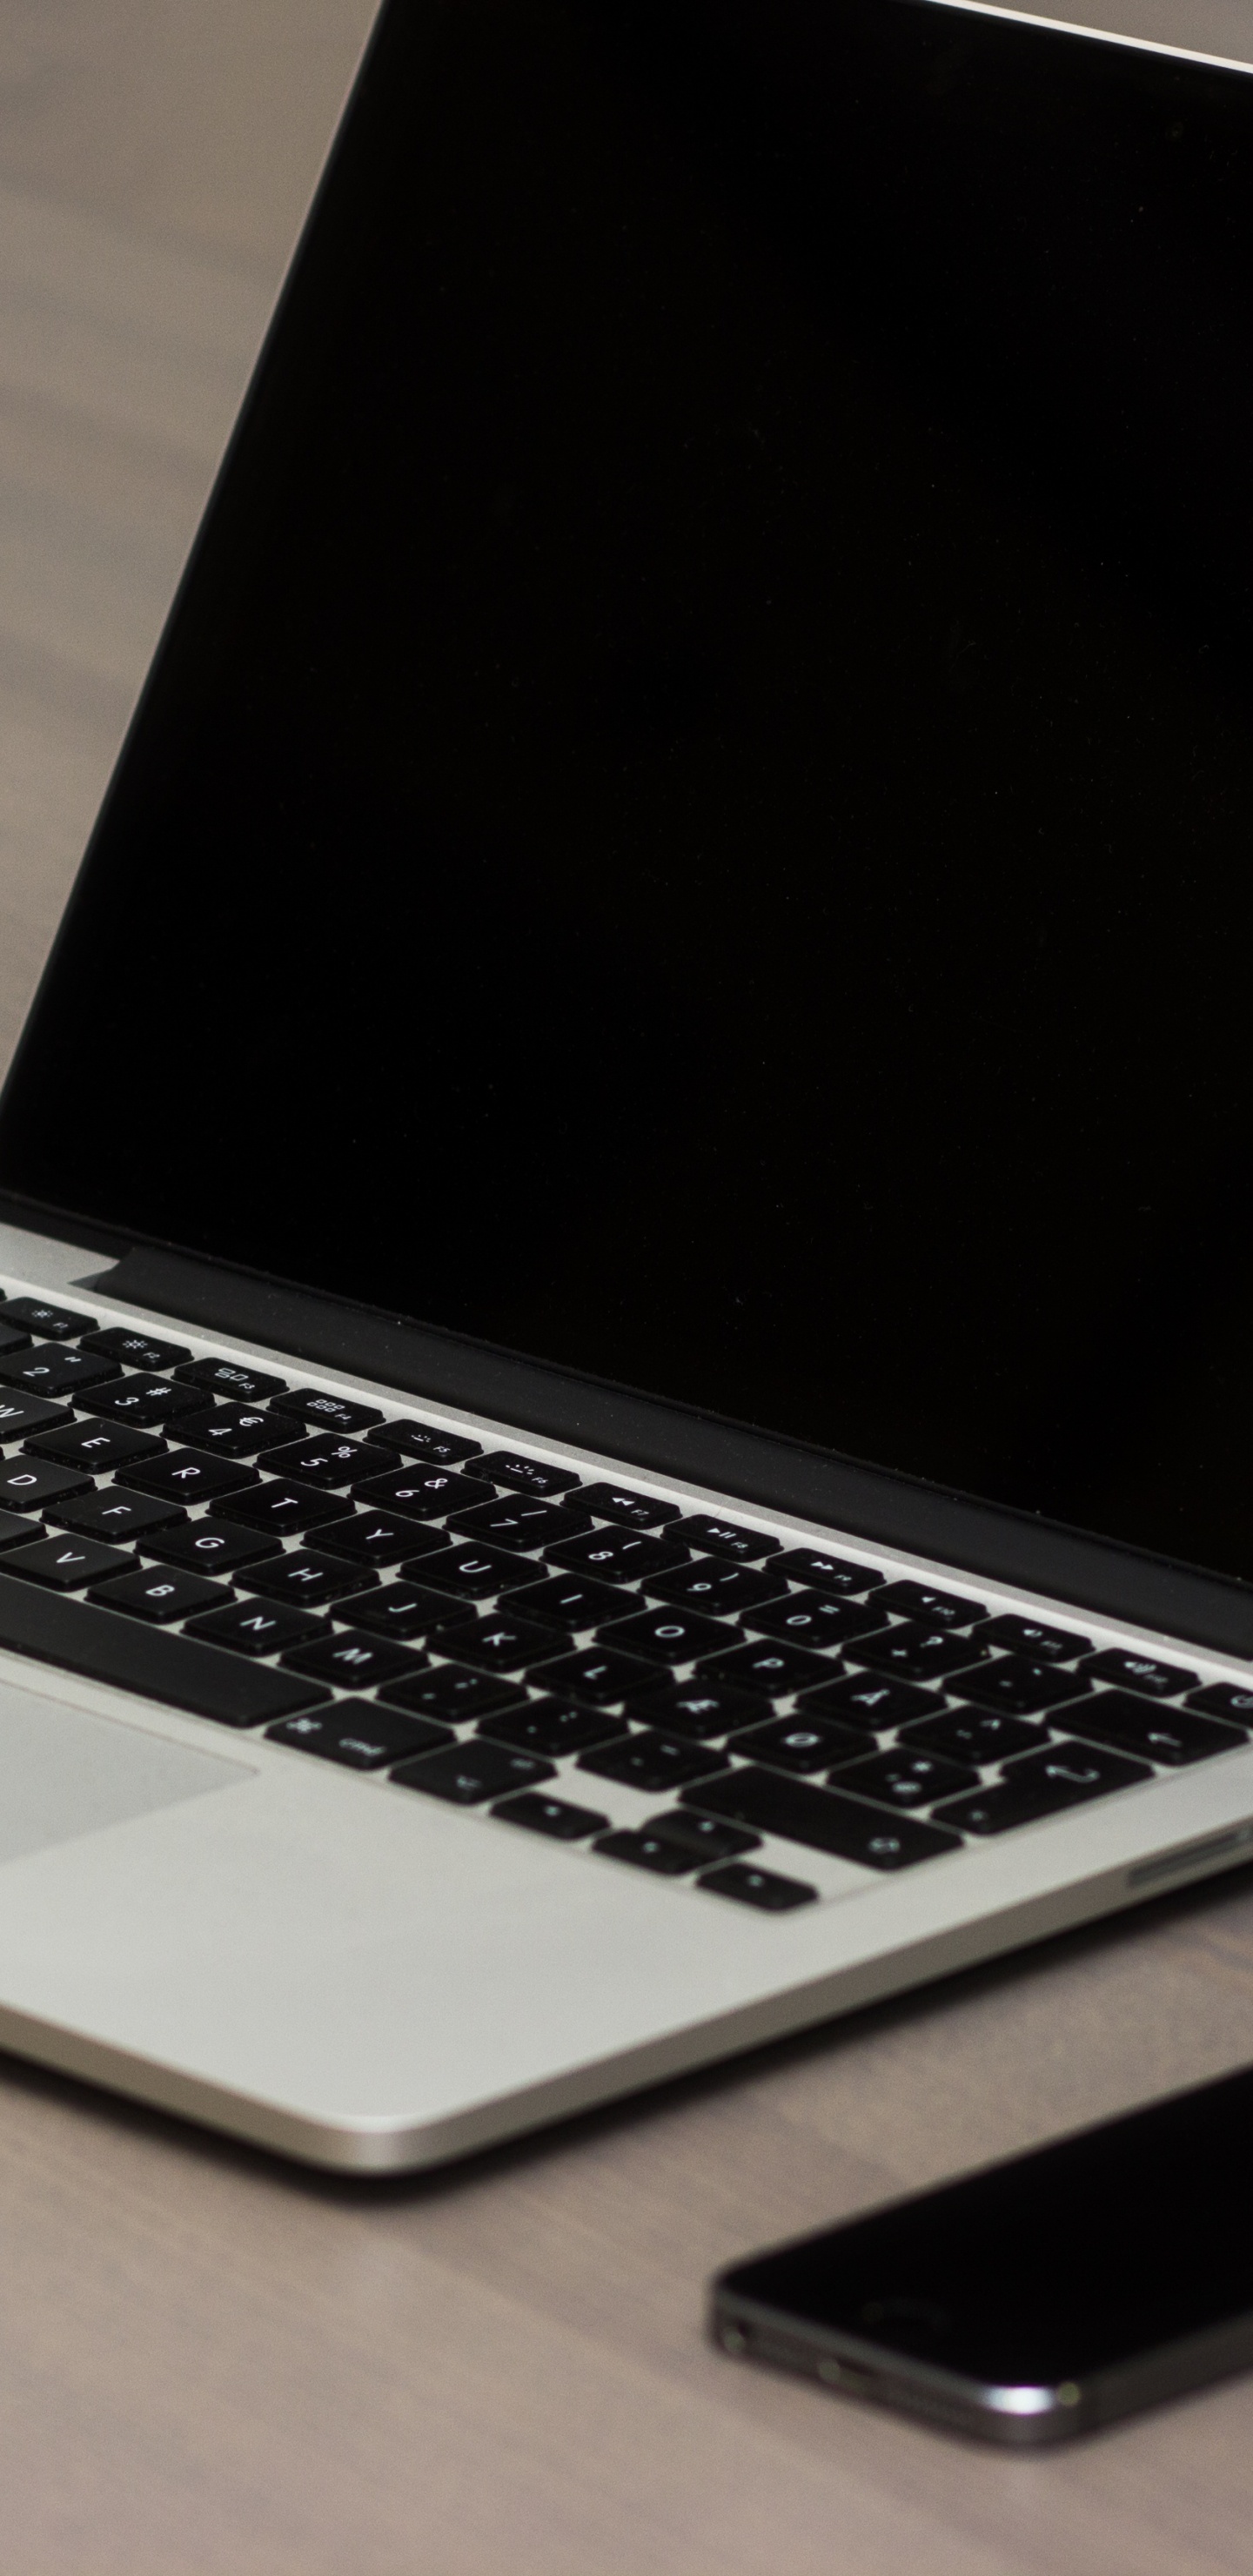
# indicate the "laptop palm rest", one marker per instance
pixel 65 1773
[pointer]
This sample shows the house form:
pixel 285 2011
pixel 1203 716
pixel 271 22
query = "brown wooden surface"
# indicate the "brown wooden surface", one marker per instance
pixel 209 2362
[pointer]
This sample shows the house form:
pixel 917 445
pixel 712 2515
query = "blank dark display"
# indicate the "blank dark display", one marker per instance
pixel 695 816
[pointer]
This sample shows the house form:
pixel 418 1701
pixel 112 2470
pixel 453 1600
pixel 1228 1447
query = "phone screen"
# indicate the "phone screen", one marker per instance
pixel 1043 2273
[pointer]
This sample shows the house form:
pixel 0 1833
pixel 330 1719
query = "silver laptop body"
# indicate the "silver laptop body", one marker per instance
pixel 230 1886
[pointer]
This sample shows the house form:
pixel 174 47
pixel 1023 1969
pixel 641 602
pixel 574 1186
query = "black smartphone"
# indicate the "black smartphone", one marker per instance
pixel 1037 2299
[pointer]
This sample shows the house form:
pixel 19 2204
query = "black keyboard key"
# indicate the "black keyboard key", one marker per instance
pixel 424 1440
pixel 709 1584
pixel 1030 1637
pixel 472 1573
pixel 974 1735
pixel 652 1762
pixel 371 1538
pixel 555 1817
pixel 522 1475
pixel 302 1575
pixel 666 1636
pixel 848 1828
pixel 187 1476
pixel 917 1653
pixel 354 1659
pixel 467 1775
pixel 426 1540
pixel 360 1734
pixel 862 1699
pixel 112 1514
pixel 766 1665
pixel 327 1412
pixel 1130 1670
pixel 20 1415
pixel 180 1671
pixel 764 1888
pixel 619 1555
pixel 17 1531
pixel 67 1563
pixel 400 1610
pixel 498 1643
pixel 235 1430
pixel 286 1508
pixel 935 1609
pixel 701 1709
pixel 58 1373
pixel 596 1673
pixel 716 1537
pixel 52 1323
pixel 14 1338
pixel 906 1778
pixel 815 1619
pixel 134 1350
pixel 1043 1784
pixel 827 1573
pixel 800 1744
pixel 256 1627
pixel 1233 1700
pixel 237 1380
pixel 647 1851
pixel 1171 1736
pixel 520 1522
pixel 453 1693
pixel 322 1461
pixel 635 1511
pixel 145 1402
pixel 31 1484
pixel 424 1492
pixel 159 1593
pixel 1020 1687
pixel 379 1455
pixel 99 1447
pixel 333 1415
pixel 209 1546
pixel 547 1726
pixel 569 1601
pixel 706 1837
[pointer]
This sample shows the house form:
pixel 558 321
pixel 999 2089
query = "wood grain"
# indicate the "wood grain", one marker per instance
pixel 209 2362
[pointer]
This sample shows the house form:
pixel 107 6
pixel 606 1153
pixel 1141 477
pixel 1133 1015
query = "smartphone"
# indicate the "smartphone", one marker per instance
pixel 1037 2299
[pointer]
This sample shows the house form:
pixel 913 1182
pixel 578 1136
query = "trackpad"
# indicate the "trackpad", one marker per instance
pixel 64 1773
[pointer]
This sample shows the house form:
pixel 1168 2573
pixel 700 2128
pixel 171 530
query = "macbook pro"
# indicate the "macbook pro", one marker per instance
pixel 626 1352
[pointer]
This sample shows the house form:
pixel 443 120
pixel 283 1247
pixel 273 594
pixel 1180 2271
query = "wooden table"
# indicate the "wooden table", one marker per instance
pixel 209 2362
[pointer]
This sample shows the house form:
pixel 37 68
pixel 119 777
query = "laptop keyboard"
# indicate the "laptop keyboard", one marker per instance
pixel 493 1630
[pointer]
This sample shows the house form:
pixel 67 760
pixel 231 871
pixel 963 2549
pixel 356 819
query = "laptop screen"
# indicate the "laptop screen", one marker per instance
pixel 695 820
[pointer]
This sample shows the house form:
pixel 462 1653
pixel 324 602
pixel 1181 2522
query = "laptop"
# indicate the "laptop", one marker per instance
pixel 625 1370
